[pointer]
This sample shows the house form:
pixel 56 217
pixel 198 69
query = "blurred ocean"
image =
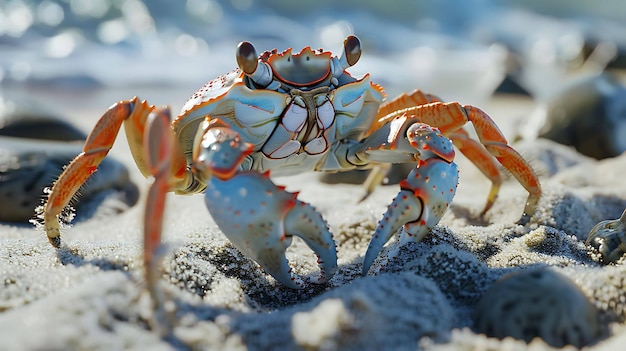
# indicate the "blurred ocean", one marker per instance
pixel 459 50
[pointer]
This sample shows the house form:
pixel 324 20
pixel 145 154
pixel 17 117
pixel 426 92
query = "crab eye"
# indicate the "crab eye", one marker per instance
pixel 246 57
pixel 352 49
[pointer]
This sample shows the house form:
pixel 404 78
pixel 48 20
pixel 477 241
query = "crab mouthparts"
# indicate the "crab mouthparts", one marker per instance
pixel 305 68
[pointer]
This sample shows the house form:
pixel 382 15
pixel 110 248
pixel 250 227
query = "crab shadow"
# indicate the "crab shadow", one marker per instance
pixel 71 257
pixel 259 288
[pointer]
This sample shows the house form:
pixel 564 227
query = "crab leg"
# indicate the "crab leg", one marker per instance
pixel 131 113
pixel 96 147
pixel 482 159
pixel 159 140
pixel 403 101
pixel 493 140
pixel 258 217
pixel 450 117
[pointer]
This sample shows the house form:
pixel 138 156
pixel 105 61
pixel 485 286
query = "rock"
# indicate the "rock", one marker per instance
pixel 385 312
pixel 35 145
pixel 21 119
pixel 589 115
pixel 538 303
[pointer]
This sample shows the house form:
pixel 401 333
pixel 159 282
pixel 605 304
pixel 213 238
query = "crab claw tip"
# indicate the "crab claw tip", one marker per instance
pixel 273 217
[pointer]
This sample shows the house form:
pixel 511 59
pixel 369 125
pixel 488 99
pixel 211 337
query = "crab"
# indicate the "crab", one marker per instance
pixel 609 238
pixel 289 113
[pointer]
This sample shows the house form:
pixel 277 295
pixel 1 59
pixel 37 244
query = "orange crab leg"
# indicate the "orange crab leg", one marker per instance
pixel 401 102
pixel 450 118
pixel 493 140
pixel 96 147
pixel 133 114
pixel 483 160
pixel 159 141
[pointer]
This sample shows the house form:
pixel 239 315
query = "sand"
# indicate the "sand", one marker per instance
pixel 90 294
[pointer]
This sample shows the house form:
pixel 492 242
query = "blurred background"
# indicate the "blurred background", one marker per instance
pixel 460 50
pixel 66 61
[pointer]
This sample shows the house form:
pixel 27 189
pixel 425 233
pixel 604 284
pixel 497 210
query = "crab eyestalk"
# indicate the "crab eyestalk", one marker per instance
pixel 351 55
pixel 248 61
pixel 352 50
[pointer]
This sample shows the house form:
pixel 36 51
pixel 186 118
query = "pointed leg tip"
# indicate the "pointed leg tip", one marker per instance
pixel 365 196
pixel 55 241
pixel 524 220
pixel 365 270
pixel 486 209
